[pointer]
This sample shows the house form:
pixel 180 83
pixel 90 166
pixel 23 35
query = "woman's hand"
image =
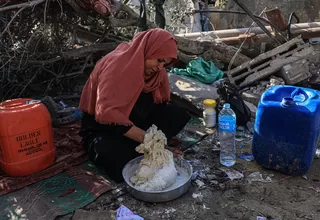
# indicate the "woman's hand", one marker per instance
pixel 136 134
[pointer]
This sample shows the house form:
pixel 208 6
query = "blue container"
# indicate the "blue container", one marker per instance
pixel 286 131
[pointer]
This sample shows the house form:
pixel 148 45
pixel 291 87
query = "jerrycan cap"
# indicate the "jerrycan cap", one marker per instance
pixel 288 101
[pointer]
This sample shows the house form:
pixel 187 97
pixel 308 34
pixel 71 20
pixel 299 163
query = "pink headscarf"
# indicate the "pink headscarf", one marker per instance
pixel 117 80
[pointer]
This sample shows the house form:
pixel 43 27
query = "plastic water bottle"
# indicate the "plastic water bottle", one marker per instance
pixel 227 131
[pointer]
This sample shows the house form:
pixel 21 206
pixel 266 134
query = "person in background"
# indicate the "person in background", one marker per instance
pixel 126 93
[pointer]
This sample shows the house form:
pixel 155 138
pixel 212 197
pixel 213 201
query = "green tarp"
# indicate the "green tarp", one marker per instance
pixel 201 71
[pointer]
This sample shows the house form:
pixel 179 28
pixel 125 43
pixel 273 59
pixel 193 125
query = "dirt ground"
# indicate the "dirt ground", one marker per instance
pixel 285 197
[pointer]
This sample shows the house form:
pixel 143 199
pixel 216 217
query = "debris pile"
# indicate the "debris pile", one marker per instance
pixel 292 63
pixel 43 52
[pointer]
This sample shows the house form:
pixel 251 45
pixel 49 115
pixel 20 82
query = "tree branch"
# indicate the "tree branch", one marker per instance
pixel 93 48
pixel 14 16
pixel 77 9
pixel 130 21
pixel 22 5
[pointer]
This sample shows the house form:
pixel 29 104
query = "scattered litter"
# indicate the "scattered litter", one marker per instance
pixel 64 105
pixel 239 139
pixel 194 176
pixel 276 81
pixel 169 210
pixel 243 135
pixel 247 157
pixel 197 196
pixel 189 151
pixel 120 191
pixel 222 186
pixel 199 183
pixel 315 40
pixel 215 148
pixel 205 207
pixel 123 213
pixel 257 177
pixel 211 177
pixel 200 174
pixel 317 156
pixel 120 199
pixel 214 182
pixel 265 218
pixel 305 177
pixel 241 146
pixel 196 163
pixel 315 189
pixel 232 173
pixel 240 128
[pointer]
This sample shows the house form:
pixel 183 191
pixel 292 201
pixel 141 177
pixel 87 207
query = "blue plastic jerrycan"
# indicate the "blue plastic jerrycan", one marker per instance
pixel 286 130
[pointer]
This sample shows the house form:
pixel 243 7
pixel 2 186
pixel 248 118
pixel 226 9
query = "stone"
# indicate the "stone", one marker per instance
pixel 199 183
pixel 81 214
pixel 196 149
pixel 222 186
pixel 240 128
pixel 252 107
pixel 251 97
pixel 212 177
pixel 275 81
pixel 314 68
pixel 203 176
pixel 250 126
pixel 296 72
pixel 190 94
pixel 214 182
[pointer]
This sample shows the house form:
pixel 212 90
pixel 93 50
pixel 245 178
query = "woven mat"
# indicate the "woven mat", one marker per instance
pixel 58 195
pixel 69 153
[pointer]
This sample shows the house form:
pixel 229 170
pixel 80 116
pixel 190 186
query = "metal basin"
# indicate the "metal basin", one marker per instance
pixel 174 191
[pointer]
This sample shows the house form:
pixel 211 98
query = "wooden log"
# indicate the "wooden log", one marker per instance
pixel 257 39
pixel 239 31
pixel 188 49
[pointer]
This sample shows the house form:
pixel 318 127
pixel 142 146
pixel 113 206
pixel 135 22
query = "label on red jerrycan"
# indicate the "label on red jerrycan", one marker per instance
pixel 30 142
pixel 26 137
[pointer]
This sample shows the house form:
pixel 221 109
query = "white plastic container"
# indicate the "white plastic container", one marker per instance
pixel 209 113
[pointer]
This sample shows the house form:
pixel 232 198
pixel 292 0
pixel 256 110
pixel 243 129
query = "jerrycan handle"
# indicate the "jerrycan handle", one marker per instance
pixel 299 95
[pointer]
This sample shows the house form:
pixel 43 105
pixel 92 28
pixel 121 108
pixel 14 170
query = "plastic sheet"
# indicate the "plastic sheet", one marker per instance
pixel 123 213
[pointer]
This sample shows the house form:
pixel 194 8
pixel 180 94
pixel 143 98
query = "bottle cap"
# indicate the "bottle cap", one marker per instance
pixel 210 102
pixel 226 105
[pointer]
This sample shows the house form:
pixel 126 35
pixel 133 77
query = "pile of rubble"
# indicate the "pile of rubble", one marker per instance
pixel 293 63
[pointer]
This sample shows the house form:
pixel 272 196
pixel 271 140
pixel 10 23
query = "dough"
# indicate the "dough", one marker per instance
pixel 157 170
